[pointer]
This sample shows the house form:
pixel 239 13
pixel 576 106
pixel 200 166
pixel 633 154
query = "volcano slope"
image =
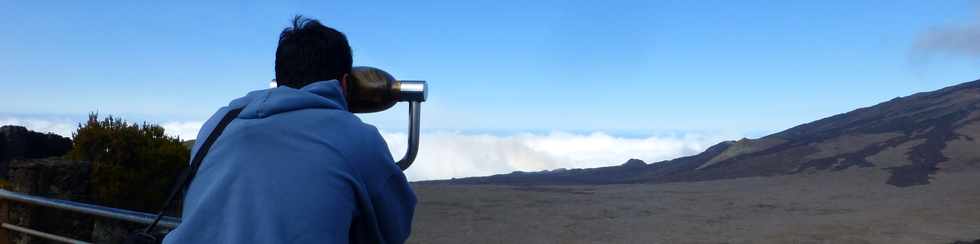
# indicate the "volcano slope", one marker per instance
pixel 911 138
pixel 903 171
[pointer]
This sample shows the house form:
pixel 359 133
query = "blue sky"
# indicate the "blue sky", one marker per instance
pixel 630 69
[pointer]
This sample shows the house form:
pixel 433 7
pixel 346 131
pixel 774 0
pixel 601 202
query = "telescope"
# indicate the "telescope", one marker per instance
pixel 372 90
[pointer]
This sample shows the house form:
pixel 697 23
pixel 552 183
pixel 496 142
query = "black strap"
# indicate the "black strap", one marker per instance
pixel 188 174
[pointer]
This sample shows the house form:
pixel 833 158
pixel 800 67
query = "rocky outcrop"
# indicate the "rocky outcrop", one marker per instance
pixel 16 142
pixel 634 163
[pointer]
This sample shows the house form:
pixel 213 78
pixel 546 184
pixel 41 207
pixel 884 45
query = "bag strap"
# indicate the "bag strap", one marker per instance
pixel 188 174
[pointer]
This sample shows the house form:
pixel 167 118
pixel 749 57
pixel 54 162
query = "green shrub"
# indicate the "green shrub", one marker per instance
pixel 133 165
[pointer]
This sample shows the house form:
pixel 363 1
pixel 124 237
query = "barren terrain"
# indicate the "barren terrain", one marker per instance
pixel 851 206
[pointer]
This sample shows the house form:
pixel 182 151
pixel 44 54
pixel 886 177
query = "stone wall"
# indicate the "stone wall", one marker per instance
pixel 58 179
pixel 51 178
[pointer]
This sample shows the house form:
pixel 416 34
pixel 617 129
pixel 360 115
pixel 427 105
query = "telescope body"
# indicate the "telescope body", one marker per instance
pixel 372 90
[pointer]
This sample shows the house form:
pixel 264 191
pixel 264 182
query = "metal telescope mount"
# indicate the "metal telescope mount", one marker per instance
pixel 415 93
pixel 372 90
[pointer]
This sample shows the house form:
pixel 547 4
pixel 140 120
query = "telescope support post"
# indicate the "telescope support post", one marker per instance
pixel 414 119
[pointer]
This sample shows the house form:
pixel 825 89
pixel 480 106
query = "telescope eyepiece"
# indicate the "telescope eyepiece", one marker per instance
pixel 412 91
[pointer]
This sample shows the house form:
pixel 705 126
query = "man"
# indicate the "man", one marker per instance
pixel 295 166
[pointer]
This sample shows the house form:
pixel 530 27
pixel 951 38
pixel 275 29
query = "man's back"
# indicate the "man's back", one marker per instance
pixel 296 167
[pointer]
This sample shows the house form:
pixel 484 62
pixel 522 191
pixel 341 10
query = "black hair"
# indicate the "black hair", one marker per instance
pixel 309 52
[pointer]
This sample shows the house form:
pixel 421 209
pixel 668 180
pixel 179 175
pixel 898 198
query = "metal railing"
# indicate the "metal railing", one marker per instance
pixel 41 234
pixel 91 209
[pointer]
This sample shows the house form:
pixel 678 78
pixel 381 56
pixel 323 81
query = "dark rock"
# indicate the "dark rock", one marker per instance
pixel 634 163
pixel 112 231
pixel 967 242
pixel 16 142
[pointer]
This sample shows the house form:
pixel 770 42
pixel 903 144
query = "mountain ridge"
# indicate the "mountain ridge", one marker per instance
pixel 911 137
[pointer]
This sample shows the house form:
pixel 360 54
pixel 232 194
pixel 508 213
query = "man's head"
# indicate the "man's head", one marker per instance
pixel 309 52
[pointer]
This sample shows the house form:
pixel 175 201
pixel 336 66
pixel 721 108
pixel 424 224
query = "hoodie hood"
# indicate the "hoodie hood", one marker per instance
pixel 264 103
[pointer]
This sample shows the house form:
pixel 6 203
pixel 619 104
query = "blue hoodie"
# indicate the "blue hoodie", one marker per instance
pixel 295 167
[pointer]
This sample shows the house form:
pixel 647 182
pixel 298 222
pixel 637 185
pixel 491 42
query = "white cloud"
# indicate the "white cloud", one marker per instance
pixel 448 154
pixel 445 155
pixel 186 130
pixel 63 127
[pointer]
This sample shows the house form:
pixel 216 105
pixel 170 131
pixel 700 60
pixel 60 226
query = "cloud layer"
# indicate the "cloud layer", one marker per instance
pixel 62 126
pixel 444 155
pixel 65 126
pixel 449 154
pixel 185 130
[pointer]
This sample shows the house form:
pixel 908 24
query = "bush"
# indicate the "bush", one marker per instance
pixel 133 166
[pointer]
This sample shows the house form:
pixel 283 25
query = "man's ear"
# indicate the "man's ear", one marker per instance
pixel 343 83
pixel 343 88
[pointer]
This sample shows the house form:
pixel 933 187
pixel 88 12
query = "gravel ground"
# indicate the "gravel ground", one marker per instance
pixel 851 206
